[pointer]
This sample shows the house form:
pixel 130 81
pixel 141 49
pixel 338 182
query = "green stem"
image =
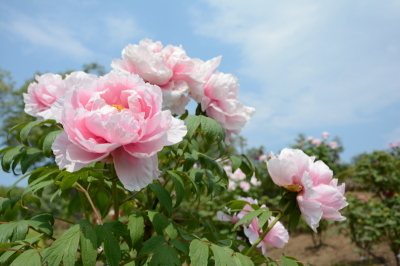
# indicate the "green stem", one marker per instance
pixel 266 231
pixel 115 199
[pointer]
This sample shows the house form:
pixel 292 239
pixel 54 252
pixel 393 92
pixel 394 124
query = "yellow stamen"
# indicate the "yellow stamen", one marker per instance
pixel 118 106
pixel 293 188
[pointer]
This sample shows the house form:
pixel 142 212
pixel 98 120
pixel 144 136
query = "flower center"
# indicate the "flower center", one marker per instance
pixel 118 106
pixel 294 188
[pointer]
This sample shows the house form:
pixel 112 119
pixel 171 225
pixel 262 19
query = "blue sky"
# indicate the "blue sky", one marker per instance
pixel 306 66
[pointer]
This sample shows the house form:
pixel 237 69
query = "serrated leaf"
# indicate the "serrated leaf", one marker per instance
pixel 9 156
pixel 222 255
pixel 165 255
pixel 163 196
pixel 112 249
pixel 179 187
pixel 211 129
pixel 6 255
pixel 30 257
pixel 152 245
pixel 192 122
pixel 88 244
pixel 48 142
pixel 135 227
pixel 198 253
pixel 242 260
pixel 236 162
pixel 13 231
pixel 65 247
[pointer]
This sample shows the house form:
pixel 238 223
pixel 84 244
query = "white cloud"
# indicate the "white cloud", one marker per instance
pixel 45 33
pixel 319 63
pixel 121 31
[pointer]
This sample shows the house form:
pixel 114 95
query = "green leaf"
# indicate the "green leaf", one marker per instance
pixel 68 181
pixel 264 218
pixel 182 246
pixel 165 255
pixel 152 245
pixel 236 162
pixel 135 227
pixel 116 227
pixel 248 217
pixel 9 156
pixel 6 255
pixel 294 218
pixel 211 129
pixel 48 141
pixel 179 187
pixel 198 252
pixel 285 261
pixel 234 205
pixel 242 260
pixel 161 223
pixel 28 158
pixel 111 248
pixel 13 231
pixel 192 122
pixel 222 255
pixel 23 134
pixel 30 257
pixel 65 247
pixel 43 222
pixel 88 243
pixel 163 196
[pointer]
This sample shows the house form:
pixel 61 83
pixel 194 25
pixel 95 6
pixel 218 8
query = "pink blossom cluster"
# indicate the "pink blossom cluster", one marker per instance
pixel 317 142
pixel 113 118
pixel 181 77
pixel 395 145
pixel 278 236
pixel 319 195
pixel 126 116
pixel 238 178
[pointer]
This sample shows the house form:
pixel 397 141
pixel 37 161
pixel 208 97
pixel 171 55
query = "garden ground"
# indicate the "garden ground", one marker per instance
pixel 337 250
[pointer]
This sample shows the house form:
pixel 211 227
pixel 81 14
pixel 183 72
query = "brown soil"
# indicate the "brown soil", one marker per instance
pixel 337 250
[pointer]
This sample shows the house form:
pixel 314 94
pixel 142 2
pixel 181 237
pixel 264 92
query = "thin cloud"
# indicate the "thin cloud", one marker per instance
pixel 44 33
pixel 319 63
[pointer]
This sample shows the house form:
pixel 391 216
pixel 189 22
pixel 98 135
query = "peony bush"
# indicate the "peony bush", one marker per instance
pixel 133 176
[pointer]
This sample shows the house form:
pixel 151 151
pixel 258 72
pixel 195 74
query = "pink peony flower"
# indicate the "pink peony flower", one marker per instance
pixel 263 158
pixel 325 135
pixel 168 67
pixel 116 117
pixel 317 142
pixel 277 237
pixel 245 186
pixel 334 145
pixel 310 139
pixel 42 94
pixel 220 103
pixel 255 182
pixel 319 196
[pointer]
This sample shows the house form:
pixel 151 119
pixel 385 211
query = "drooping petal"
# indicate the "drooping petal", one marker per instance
pixel 311 211
pixel 135 173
